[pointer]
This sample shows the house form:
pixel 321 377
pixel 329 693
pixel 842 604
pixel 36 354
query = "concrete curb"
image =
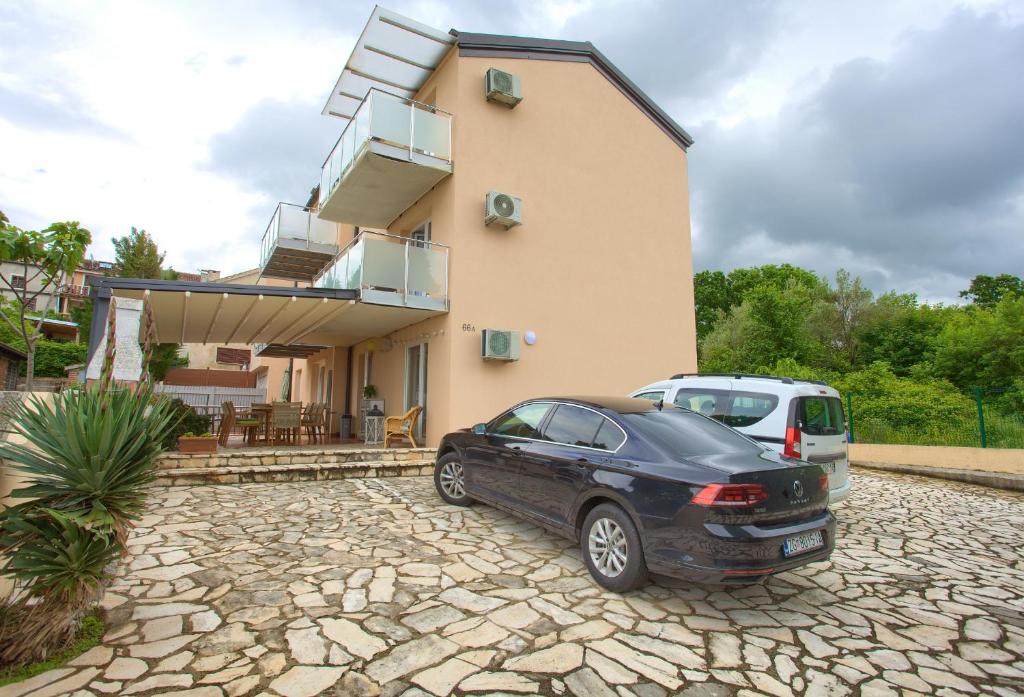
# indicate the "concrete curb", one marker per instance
pixel 996 480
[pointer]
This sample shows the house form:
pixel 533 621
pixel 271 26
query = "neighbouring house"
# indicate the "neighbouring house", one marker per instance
pixel 501 218
pixel 11 359
pixel 54 329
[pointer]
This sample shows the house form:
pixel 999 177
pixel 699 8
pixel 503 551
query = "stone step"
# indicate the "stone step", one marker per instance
pixel 251 457
pixel 313 471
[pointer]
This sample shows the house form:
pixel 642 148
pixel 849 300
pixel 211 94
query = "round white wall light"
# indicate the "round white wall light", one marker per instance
pixel 530 338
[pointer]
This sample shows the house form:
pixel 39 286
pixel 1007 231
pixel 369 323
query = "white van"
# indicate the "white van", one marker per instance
pixel 799 418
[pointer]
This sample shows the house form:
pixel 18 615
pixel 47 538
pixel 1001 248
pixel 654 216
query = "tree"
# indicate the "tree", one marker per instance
pixel 136 255
pixel 712 296
pixel 986 291
pixel 841 316
pixel 46 258
pixel 983 347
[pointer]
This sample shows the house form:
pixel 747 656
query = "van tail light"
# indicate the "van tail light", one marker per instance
pixel 823 482
pixel 792 448
pixel 731 495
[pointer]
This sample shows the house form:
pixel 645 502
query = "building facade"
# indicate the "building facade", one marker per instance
pixel 581 275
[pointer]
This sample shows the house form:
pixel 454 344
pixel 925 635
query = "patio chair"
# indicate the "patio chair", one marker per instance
pixel 285 421
pixel 313 421
pixel 402 426
pixel 230 419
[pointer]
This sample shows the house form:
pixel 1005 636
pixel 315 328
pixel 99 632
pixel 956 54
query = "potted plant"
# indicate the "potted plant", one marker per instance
pixel 202 443
pixel 369 392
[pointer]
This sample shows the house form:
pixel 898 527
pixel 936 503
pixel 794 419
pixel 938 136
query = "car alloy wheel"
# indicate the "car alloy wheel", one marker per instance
pixel 452 480
pixel 608 548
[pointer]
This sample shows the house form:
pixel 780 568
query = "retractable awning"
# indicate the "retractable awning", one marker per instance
pixel 394 54
pixel 187 312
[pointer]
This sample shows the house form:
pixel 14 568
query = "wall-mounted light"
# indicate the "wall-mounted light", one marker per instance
pixel 530 338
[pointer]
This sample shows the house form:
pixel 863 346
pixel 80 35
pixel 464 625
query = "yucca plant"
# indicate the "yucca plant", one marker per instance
pixel 88 457
pixel 60 565
pixel 90 453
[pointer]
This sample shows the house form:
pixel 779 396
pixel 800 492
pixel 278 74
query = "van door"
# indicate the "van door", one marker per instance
pixel 823 438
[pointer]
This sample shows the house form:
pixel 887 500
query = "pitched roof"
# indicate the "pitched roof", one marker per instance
pixel 501 46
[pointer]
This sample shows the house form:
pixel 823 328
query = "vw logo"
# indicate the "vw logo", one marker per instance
pixel 798 489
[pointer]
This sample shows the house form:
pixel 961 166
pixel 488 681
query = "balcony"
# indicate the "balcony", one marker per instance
pixel 392 270
pixel 297 245
pixel 390 154
pixel 74 291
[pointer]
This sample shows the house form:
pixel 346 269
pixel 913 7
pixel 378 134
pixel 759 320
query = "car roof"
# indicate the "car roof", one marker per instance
pixel 767 383
pixel 621 405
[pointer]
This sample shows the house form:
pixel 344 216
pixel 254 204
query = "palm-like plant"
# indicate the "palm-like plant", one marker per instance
pixel 88 456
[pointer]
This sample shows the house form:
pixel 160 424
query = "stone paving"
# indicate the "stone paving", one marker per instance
pixel 375 587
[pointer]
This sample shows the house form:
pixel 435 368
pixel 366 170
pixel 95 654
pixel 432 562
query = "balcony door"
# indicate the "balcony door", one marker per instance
pixel 416 384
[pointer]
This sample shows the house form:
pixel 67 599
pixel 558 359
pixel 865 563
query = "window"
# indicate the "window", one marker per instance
pixel 821 416
pixel 522 422
pixel 707 402
pixel 573 426
pixel 609 436
pixel 747 408
pixel 685 434
pixel 654 396
pixel 731 408
pixel 18 281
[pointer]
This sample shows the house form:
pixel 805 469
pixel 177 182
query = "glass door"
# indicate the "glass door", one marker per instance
pixel 416 384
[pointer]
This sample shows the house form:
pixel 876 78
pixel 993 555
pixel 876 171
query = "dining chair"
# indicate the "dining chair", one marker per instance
pixel 313 421
pixel 285 421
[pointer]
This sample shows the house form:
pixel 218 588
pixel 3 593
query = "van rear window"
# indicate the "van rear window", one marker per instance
pixel 821 416
pixel 732 408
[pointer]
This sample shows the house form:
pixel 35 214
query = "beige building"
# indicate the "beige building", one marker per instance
pixel 502 218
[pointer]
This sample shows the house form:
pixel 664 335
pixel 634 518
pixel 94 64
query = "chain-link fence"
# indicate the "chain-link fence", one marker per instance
pixel 994 420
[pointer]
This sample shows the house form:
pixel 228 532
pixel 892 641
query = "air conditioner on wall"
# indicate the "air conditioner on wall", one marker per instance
pixel 502 87
pixel 503 209
pixel 500 345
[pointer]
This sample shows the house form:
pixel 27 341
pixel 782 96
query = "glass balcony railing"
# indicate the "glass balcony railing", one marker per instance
pixel 392 270
pixel 418 128
pixel 296 228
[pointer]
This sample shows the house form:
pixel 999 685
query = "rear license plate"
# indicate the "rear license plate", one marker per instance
pixel 829 467
pixel 803 543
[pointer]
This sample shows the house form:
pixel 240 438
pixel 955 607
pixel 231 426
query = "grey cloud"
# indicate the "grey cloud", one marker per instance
pixel 675 49
pixel 905 170
pixel 277 148
pixel 52 109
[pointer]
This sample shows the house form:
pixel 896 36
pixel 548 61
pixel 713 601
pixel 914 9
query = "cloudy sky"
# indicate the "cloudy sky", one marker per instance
pixel 884 137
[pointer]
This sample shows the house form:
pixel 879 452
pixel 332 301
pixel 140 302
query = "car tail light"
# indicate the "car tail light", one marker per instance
pixel 792 448
pixel 734 495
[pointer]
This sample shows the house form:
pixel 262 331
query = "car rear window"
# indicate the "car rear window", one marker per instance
pixel 733 408
pixel 822 416
pixel 573 425
pixel 688 434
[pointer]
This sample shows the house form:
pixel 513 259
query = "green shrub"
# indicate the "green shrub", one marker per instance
pixel 53 356
pixel 189 421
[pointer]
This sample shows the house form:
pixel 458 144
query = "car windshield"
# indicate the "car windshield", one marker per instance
pixel 687 434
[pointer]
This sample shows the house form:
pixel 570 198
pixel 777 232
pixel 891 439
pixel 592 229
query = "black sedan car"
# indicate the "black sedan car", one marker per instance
pixel 644 486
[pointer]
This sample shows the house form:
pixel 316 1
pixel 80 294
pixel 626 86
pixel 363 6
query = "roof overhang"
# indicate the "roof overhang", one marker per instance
pixel 394 54
pixel 191 312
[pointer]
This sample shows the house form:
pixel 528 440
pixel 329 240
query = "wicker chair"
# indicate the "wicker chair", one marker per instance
pixel 285 421
pixel 313 422
pixel 402 426
pixel 230 420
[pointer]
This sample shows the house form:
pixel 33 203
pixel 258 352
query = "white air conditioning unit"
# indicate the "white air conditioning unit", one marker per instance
pixel 500 345
pixel 503 209
pixel 502 87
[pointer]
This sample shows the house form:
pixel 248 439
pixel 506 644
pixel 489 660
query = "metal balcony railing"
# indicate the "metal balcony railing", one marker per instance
pixel 421 129
pixel 392 270
pixel 296 229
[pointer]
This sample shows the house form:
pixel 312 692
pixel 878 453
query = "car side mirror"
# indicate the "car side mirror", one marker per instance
pixel 480 429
